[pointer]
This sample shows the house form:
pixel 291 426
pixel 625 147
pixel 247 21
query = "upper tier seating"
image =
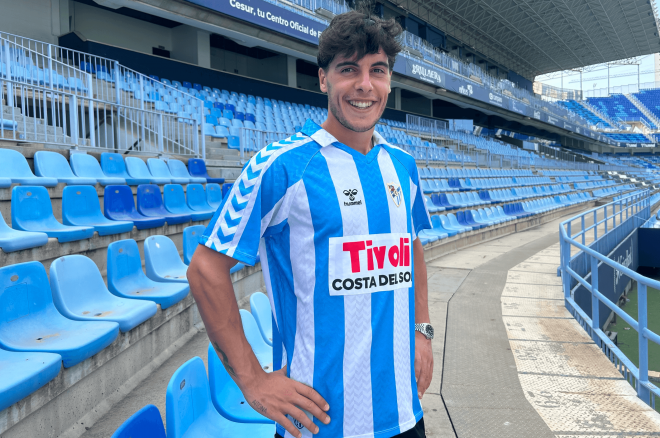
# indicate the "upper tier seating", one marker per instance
pixel 138 169
pixel 159 169
pixel 81 207
pixel 15 240
pixel 54 165
pixel 118 205
pixel 197 168
pixel 179 170
pixel 162 260
pixel 651 100
pixel 175 202
pixel 584 112
pixel 25 372
pixel 113 165
pixel 86 166
pixel 14 166
pixel 260 309
pixel 145 423
pixel 619 106
pixel 150 204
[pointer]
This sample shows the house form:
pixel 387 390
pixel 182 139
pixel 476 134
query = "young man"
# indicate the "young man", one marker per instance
pixel 334 213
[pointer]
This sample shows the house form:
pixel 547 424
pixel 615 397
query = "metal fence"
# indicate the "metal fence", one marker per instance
pixel 424 126
pixel 253 140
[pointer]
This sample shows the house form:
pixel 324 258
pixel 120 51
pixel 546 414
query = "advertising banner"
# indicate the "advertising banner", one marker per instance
pixel 419 71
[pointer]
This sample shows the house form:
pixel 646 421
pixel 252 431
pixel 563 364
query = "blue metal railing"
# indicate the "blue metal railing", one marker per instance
pixel 581 269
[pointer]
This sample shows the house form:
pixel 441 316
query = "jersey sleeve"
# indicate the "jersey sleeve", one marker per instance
pixel 420 214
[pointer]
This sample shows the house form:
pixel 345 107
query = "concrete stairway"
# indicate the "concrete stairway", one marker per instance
pixel 222 162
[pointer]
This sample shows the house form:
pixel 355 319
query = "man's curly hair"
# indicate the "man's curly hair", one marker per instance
pixel 356 32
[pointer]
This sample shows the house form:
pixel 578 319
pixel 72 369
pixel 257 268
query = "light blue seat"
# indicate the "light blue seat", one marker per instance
pixel 145 423
pixel 14 166
pixel 138 169
pixel 191 414
pixel 150 204
pixel 31 210
pixel 86 166
pixel 260 308
pixel 175 202
pixel 227 396
pixel 191 237
pixel 161 258
pixel 79 293
pixel 29 319
pixel 213 195
pixel 179 170
pixel 262 350
pixel 53 165
pixel 5 183
pixel 126 278
pixel 81 207
pixel 25 372
pixel 15 240
pixel 196 197
pixel 113 165
pixel 159 169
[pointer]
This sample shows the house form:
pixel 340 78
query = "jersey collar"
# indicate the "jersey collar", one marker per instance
pixel 324 138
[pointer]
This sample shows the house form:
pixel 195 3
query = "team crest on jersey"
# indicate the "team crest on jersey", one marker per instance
pixel 395 193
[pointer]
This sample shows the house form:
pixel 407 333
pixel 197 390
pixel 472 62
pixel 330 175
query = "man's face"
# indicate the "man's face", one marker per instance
pixel 357 89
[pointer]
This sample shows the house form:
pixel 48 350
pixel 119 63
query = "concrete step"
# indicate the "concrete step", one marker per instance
pixel 230 174
pixel 224 163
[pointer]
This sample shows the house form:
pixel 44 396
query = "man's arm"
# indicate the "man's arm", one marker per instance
pixel 272 394
pixel 423 350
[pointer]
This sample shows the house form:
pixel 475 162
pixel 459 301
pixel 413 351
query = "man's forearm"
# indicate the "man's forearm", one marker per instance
pixel 421 284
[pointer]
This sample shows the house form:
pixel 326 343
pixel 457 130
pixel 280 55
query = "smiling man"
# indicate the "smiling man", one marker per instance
pixel 334 213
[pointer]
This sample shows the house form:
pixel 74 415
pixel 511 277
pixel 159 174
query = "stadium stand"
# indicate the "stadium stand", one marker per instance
pixel 618 106
pixel 577 108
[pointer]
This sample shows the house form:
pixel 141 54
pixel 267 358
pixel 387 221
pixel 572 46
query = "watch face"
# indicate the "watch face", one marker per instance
pixel 429 331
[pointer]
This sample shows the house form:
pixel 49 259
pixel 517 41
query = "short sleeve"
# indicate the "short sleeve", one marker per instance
pixel 420 214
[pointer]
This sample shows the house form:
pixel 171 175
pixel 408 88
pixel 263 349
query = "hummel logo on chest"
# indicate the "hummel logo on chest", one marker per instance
pixel 351 193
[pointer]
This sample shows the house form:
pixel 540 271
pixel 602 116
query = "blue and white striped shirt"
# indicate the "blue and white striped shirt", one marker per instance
pixel 334 230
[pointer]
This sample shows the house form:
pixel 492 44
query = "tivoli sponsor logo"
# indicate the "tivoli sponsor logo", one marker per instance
pixel 369 263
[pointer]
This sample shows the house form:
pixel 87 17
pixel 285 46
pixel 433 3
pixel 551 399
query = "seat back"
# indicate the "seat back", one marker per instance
pixel 160 251
pixel 24 290
pixel 51 164
pixel 197 197
pixel 158 168
pixel 80 202
pixel 178 169
pixel 187 397
pixel 113 165
pixel 118 200
pixel 84 165
pixel 253 335
pixel 149 199
pixel 137 168
pixel 197 167
pixel 13 164
pixel 124 265
pixel 213 195
pixel 31 207
pixel 260 308
pixel 174 199
pixel 67 274
pixel 190 241
pixel 145 423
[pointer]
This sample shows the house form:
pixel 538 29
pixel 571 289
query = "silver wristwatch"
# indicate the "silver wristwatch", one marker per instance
pixel 425 329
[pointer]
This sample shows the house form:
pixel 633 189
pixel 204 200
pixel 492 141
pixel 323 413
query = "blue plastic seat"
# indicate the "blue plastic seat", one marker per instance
pixel 191 414
pixel 191 237
pixel 227 396
pixel 138 169
pixel 29 320
pixel 196 197
pixel 145 423
pixel 24 372
pixel 118 205
pixel 5 183
pixel 179 170
pixel 16 240
pixel 53 165
pixel 262 350
pixel 260 308
pixel 197 168
pixel 126 278
pixel 175 202
pixel 93 302
pixel 86 166
pixel 159 169
pixel 162 260
pixel 81 207
pixel 14 166
pixel 113 165
pixel 31 210
pixel 213 195
pixel 150 204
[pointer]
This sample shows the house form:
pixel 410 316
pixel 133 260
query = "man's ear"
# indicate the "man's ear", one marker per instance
pixel 322 79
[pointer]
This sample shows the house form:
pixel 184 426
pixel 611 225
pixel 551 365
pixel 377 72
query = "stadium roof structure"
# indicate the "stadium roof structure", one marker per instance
pixel 534 37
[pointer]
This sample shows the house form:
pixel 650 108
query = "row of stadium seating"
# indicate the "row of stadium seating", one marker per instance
pixel 579 109
pixel 439 172
pixel 619 106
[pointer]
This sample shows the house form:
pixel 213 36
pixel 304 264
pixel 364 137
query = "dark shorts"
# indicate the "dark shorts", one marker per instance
pixel 416 432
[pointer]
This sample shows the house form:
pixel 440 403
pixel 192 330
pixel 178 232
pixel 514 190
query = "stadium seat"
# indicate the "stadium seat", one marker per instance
pixel 118 205
pixel 93 302
pixel 145 423
pixel 54 165
pixel 113 165
pixel 213 195
pixel 25 372
pixel 14 166
pixel 86 166
pixel 31 210
pixel 262 350
pixel 126 279
pixel 226 396
pixel 175 202
pixel 179 170
pixel 260 308
pixel 196 197
pixel 138 169
pixel 191 414
pixel 15 240
pixel 159 169
pixel 162 260
pixel 81 207
pixel 191 241
pixel 29 320
pixel 150 204
pixel 197 168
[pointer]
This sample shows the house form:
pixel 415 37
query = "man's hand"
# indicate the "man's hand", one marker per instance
pixel 274 396
pixel 423 363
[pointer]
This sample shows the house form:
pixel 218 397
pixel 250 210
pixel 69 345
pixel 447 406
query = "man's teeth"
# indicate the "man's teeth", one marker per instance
pixel 361 104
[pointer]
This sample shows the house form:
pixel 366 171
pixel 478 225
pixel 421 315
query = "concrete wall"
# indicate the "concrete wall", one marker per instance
pixel 273 69
pixel 31 19
pixel 307 82
pixel 418 104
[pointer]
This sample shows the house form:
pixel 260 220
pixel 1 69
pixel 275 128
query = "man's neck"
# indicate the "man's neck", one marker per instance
pixel 360 141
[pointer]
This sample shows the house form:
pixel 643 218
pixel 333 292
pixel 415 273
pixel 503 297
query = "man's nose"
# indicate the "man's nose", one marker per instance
pixel 364 82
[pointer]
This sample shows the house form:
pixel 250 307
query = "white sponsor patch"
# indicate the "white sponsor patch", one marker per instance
pixel 369 263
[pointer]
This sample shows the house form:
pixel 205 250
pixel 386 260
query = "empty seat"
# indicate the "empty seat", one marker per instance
pixel 54 165
pixel 31 210
pixel 260 308
pixel 15 240
pixel 126 278
pixel 190 412
pixel 145 423
pixel 196 197
pixel 118 205
pixel 191 241
pixel 138 169
pixel 162 260
pixel 262 350
pixel 14 166
pixel 5 183
pixel 175 202
pixel 25 372
pixel 159 169
pixel 29 320
pixel 113 165
pixel 213 195
pixel 197 168
pixel 179 170
pixel 81 207
pixel 79 293
pixel 150 204
pixel 86 166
